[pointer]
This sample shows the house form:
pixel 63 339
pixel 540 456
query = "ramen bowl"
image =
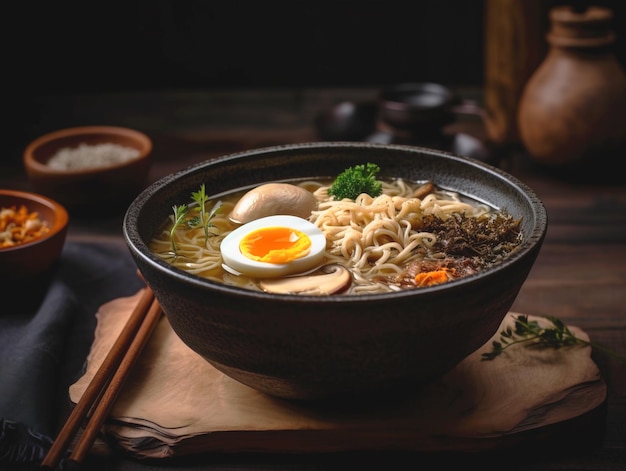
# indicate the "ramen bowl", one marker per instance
pixel 307 347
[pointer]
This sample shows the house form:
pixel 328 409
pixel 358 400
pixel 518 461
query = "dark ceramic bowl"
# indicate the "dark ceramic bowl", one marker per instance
pixel 311 347
pixel 419 108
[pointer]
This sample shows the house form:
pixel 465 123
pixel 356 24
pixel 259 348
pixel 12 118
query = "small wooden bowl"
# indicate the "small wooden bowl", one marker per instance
pixel 108 187
pixel 30 260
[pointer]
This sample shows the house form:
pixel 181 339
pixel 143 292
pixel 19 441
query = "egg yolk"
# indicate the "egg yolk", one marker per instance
pixel 275 245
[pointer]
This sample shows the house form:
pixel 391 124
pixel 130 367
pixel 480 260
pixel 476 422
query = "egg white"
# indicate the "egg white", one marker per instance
pixel 235 260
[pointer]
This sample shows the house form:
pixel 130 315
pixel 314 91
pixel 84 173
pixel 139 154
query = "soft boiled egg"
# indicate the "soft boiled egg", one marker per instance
pixel 274 246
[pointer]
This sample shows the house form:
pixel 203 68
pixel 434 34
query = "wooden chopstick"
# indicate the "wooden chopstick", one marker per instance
pixel 104 387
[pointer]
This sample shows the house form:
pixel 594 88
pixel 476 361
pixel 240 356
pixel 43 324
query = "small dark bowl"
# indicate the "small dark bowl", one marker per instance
pixel 25 262
pixel 314 347
pixel 347 121
pixel 418 108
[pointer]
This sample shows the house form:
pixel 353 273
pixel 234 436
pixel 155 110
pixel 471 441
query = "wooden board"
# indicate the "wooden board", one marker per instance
pixel 175 403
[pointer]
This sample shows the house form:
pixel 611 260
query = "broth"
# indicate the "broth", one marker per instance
pixel 388 243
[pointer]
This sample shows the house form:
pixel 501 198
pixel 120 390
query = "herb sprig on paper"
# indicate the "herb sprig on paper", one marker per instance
pixel 534 335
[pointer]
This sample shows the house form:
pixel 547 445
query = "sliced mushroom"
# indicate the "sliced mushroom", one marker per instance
pixel 334 279
pixel 424 190
pixel 271 199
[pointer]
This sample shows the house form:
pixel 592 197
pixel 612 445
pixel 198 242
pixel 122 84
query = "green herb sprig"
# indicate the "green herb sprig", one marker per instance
pixel 202 219
pixel 533 335
pixel 180 213
pixel 356 180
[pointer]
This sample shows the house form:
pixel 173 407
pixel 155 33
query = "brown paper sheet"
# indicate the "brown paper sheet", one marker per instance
pixel 175 403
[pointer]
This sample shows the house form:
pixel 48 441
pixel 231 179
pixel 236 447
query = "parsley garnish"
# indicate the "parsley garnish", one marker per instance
pixel 356 180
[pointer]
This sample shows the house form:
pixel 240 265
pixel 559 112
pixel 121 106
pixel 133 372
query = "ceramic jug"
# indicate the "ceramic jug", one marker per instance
pixel 572 112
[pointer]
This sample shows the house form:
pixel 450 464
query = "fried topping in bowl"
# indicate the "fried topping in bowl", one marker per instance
pixel 19 226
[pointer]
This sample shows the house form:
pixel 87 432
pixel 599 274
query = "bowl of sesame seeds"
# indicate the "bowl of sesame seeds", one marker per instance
pixel 90 167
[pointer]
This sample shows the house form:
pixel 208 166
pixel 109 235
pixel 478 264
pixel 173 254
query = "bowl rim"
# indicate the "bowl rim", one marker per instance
pixel 59 224
pixel 31 162
pixel 131 234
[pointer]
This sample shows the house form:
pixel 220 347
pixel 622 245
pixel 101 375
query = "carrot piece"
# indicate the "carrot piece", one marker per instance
pixel 429 278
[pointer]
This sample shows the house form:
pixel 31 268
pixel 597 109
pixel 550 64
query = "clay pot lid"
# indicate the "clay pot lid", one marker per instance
pixel 588 27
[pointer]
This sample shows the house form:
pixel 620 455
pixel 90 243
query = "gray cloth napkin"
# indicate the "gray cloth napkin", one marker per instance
pixel 46 331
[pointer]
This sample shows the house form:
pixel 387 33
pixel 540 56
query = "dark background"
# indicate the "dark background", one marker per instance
pixel 60 47
pixel 145 44
pixel 55 49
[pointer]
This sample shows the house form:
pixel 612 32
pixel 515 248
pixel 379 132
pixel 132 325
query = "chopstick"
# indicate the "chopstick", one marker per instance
pixel 104 387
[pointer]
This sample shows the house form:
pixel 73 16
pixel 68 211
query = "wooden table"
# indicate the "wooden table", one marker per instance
pixel 579 276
